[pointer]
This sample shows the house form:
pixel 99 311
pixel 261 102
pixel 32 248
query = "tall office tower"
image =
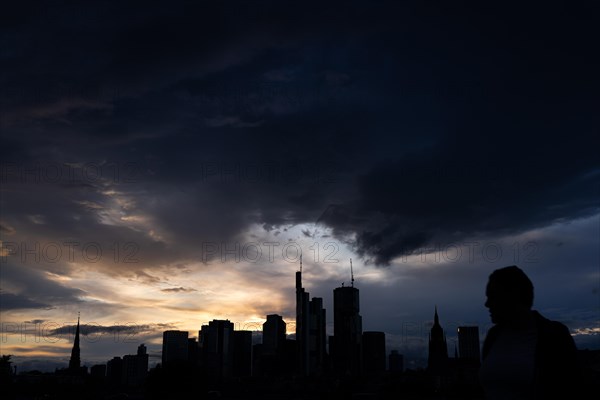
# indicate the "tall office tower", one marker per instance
pixel 346 343
pixel 242 353
pixel 438 350
pixel 75 360
pixel 310 331
pixel 469 360
pixel 468 343
pixel 274 330
pixel 193 352
pixel 114 371
pixel 302 325
pixel 373 344
pixel 216 341
pixel 135 367
pixel 317 338
pixel 174 348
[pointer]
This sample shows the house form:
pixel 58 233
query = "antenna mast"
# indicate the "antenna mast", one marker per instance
pixel 351 273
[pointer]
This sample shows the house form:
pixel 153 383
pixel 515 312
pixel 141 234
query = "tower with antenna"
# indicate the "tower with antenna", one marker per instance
pixel 346 343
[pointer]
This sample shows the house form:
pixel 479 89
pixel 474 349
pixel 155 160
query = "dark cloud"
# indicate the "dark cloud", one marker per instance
pixel 86 329
pixel 178 290
pixel 11 301
pixel 35 321
pixel 213 104
pixel 31 288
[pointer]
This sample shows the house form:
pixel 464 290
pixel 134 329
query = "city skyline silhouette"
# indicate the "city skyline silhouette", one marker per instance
pixel 166 166
pixel 221 355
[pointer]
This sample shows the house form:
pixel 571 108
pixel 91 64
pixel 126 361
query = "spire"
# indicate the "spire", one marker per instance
pixel 438 347
pixel 437 333
pixel 75 361
pixel 351 274
pixel 300 261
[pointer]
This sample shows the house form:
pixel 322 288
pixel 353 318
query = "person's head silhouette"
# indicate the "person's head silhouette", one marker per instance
pixel 509 295
pixel 525 355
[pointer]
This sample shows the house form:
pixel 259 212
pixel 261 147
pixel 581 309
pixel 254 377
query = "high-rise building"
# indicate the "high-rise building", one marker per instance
pixel 317 338
pixel 114 371
pixel 174 348
pixel 273 338
pixel 135 367
pixel 302 325
pixel 193 352
pixel 468 343
pixel 346 343
pixel 242 353
pixel 469 360
pixel 438 349
pixel 373 345
pixel 216 342
pixel 310 331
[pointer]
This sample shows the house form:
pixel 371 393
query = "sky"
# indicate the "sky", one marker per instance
pixel 165 164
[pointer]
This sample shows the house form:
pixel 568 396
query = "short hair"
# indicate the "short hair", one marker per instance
pixel 513 279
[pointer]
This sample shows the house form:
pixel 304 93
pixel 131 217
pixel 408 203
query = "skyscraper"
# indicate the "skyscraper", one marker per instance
pixel 114 371
pixel 193 352
pixel 216 341
pixel 274 330
pixel 242 353
pixel 469 359
pixel 135 367
pixel 317 338
pixel 302 328
pixel 174 348
pixel 346 343
pixel 468 343
pixel 75 360
pixel 310 330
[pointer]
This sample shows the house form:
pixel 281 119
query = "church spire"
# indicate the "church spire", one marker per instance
pixel 75 361
pixel 438 347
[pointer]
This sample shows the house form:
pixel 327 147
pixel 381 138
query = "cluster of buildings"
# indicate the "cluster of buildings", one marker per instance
pixel 221 352
pixel 130 370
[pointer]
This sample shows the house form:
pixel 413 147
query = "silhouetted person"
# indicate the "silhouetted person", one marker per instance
pixel 525 356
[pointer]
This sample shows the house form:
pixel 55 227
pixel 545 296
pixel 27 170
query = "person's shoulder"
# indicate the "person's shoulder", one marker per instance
pixel 551 326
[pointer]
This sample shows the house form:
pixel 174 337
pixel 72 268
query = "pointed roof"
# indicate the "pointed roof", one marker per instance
pixel 437 333
pixel 75 361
